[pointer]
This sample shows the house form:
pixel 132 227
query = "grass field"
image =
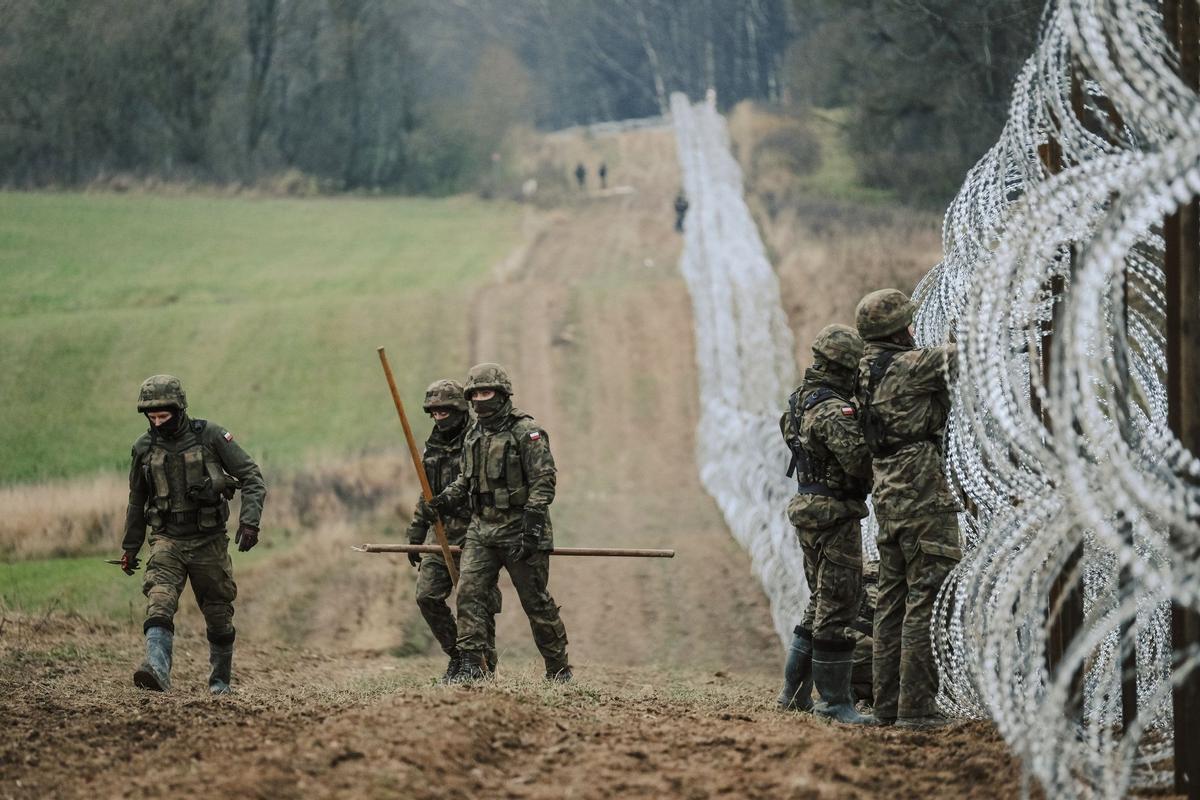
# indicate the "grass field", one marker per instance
pixel 268 309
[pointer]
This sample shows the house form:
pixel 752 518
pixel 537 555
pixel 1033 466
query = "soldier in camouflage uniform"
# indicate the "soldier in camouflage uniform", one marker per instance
pixel 861 631
pixel 445 403
pixel 833 471
pixel 507 482
pixel 183 473
pixel 905 401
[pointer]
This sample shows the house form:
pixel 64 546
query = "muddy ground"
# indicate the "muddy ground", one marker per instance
pixel 676 660
pixel 361 724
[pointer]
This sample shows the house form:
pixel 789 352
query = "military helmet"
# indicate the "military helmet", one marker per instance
pixel 488 376
pixel 160 393
pixel 882 313
pixel 839 344
pixel 445 394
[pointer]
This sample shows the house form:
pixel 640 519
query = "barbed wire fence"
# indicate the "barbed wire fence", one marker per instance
pixel 1069 279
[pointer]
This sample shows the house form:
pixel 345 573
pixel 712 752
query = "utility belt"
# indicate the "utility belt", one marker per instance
pixel 822 490
pixel 205 518
pixel 499 499
pixel 891 449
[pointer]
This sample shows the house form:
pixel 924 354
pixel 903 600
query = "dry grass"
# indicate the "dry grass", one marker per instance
pixel 829 247
pixel 85 516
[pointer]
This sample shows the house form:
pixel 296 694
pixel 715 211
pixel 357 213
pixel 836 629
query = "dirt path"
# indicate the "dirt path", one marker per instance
pixel 595 325
pixel 356 725
pixel 677 660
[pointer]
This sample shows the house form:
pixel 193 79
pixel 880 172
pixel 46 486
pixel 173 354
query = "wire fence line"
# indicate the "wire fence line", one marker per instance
pixel 1052 280
pixel 745 361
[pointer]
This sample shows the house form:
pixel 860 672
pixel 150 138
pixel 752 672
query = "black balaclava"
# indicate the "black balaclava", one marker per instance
pixel 172 427
pixel 831 374
pixel 451 424
pixel 491 411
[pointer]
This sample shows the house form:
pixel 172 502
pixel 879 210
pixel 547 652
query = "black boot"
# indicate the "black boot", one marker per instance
pixel 470 669
pixel 452 668
pixel 797 674
pixel 832 663
pixel 559 673
pixel 155 671
pixel 220 658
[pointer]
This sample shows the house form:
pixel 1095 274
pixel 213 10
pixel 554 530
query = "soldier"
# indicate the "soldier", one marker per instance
pixel 905 401
pixel 833 472
pixel 445 403
pixel 507 481
pixel 183 474
pixel 681 208
pixel 603 172
pixel 581 175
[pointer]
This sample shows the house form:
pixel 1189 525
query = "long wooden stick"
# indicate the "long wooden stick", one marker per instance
pixel 558 551
pixel 443 543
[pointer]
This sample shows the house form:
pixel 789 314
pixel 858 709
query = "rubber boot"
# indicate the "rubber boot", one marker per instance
pixel 155 671
pixel 797 674
pixel 451 668
pixel 832 664
pixel 220 657
pixel 471 669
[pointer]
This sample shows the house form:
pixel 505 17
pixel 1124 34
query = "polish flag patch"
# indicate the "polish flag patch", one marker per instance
pixel 847 411
pixel 535 435
pixel 228 436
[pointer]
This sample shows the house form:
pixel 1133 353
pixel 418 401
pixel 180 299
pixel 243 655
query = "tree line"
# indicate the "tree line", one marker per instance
pixel 927 82
pixel 418 95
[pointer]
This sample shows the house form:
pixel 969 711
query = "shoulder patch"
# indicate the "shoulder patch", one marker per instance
pixel 227 436
pixel 535 435
pixel 847 411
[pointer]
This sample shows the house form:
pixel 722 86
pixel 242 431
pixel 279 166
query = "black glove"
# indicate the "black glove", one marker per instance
pixel 440 503
pixel 247 537
pixel 414 559
pixel 535 526
pixel 129 561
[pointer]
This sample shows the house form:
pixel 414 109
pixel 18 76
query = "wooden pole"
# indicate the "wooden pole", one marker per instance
pixel 617 552
pixel 1182 264
pixel 438 529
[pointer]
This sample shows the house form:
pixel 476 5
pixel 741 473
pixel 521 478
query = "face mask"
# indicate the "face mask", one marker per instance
pixel 171 426
pixel 451 422
pixel 486 408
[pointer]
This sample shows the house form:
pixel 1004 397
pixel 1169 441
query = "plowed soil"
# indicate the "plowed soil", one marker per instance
pixel 676 660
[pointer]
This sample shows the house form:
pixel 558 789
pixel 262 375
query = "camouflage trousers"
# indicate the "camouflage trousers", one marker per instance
pixel 433 588
pixel 862 677
pixel 915 556
pixel 480 569
pixel 205 562
pixel 833 568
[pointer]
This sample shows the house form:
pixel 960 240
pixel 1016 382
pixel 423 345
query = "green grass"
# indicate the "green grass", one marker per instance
pixel 268 309
pixel 837 174
pixel 93 588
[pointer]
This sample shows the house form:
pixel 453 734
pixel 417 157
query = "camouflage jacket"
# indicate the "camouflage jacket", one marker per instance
pixel 180 485
pixel 443 461
pixel 507 471
pixel 830 435
pixel 912 401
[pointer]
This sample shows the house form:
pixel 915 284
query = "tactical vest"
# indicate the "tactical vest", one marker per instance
pixel 188 487
pixel 881 441
pixel 492 467
pixel 442 464
pixel 816 473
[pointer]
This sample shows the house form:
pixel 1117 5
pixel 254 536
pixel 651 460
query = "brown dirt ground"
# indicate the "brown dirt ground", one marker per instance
pixel 677 660
pixel 314 724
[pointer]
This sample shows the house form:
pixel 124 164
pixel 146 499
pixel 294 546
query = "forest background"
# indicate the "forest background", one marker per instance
pixel 432 96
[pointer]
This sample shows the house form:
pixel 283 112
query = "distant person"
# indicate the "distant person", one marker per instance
pixel 832 467
pixel 446 405
pixel 581 175
pixel 904 397
pixel 183 475
pixel 681 208
pixel 603 175
pixel 507 481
